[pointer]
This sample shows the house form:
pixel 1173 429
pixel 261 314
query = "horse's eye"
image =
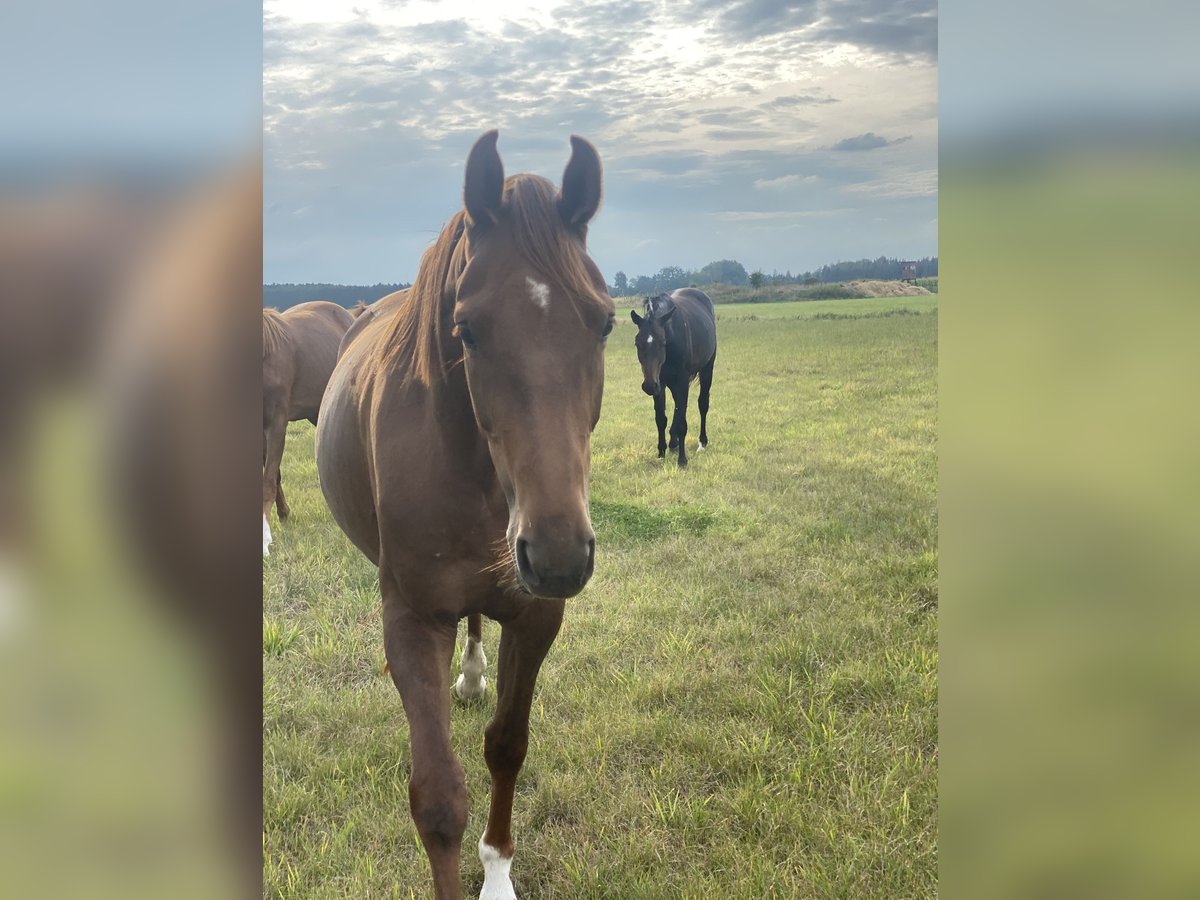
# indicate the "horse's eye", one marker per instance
pixel 462 330
pixel 608 328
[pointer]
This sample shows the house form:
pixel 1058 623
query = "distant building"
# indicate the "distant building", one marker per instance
pixel 908 270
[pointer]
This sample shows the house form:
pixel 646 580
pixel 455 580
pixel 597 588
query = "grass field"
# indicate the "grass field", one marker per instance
pixel 742 703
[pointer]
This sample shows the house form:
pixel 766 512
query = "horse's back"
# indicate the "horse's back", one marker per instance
pixel 365 314
pixel 697 309
pixel 315 329
pixel 334 314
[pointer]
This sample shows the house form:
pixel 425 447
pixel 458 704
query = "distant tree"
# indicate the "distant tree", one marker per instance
pixel 671 277
pixel 643 284
pixel 282 296
pixel 756 280
pixel 620 284
pixel 723 271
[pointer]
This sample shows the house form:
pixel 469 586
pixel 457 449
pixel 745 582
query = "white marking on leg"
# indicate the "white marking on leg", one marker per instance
pixel 539 292
pixel 649 339
pixel 497 885
pixel 471 684
pixel 266 536
pixel 700 447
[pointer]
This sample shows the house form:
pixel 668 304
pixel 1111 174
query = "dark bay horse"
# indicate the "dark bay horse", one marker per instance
pixel 453 447
pixel 300 348
pixel 676 341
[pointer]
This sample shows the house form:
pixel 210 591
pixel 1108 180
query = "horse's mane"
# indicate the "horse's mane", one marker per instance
pixel 359 308
pixel 530 210
pixel 274 331
pixel 656 306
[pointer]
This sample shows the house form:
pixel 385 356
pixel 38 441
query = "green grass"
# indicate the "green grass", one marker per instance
pixel 865 307
pixel 742 704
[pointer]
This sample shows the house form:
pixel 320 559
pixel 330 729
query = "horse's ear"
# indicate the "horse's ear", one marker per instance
pixel 637 320
pixel 580 195
pixel 485 181
pixel 670 312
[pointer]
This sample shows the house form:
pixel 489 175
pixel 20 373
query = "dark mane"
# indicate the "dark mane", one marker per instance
pixel 656 306
pixel 531 212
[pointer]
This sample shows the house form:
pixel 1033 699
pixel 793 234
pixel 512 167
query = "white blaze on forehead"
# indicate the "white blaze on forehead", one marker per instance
pixel 539 292
pixel 497 885
pixel 649 339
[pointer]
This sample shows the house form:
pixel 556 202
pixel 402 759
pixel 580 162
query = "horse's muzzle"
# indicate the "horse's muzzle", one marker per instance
pixel 650 388
pixel 555 569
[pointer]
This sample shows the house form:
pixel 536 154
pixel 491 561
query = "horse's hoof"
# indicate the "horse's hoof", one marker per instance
pixel 683 464
pixel 700 448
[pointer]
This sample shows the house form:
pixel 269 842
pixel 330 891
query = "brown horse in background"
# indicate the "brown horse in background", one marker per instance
pixel 300 348
pixel 454 448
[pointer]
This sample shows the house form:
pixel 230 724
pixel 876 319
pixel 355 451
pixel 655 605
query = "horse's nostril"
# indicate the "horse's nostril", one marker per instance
pixel 523 564
pixel 591 562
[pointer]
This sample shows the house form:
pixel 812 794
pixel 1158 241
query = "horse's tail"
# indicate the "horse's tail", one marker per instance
pixel 274 331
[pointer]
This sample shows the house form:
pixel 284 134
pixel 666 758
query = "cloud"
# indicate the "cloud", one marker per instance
pixel 893 27
pixel 696 108
pixel 784 181
pixel 797 100
pixel 868 141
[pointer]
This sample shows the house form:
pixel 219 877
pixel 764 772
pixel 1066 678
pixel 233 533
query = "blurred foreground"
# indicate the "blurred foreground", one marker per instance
pixel 1070 545
pixel 129 584
pixel 130 248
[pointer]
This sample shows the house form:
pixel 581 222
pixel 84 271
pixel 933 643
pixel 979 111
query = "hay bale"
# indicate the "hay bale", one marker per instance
pixel 871 288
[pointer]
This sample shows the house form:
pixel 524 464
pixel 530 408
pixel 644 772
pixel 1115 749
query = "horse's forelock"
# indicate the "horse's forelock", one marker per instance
pixel 544 241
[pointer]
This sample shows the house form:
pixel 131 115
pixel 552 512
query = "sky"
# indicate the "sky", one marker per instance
pixel 785 134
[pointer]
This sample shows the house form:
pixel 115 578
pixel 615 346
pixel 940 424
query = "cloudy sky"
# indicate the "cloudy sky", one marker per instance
pixel 782 133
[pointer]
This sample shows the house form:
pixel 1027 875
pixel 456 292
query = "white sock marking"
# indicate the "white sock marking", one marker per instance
pixel 497 885
pixel 471 684
pixel 539 292
pixel 266 536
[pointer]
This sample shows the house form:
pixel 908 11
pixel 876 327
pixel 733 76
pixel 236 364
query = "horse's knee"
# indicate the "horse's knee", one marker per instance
pixel 439 807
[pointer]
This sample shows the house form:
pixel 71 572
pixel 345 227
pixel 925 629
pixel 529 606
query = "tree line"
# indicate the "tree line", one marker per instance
pixel 668 278
pixel 282 296
pixel 730 271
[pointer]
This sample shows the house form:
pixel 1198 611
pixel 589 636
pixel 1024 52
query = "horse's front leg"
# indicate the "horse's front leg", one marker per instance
pixel 679 425
pixel 281 504
pixel 274 435
pixel 660 419
pixel 419 649
pixel 524 642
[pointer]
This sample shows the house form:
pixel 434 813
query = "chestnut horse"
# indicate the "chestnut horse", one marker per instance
pixel 300 347
pixel 676 341
pixel 453 447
